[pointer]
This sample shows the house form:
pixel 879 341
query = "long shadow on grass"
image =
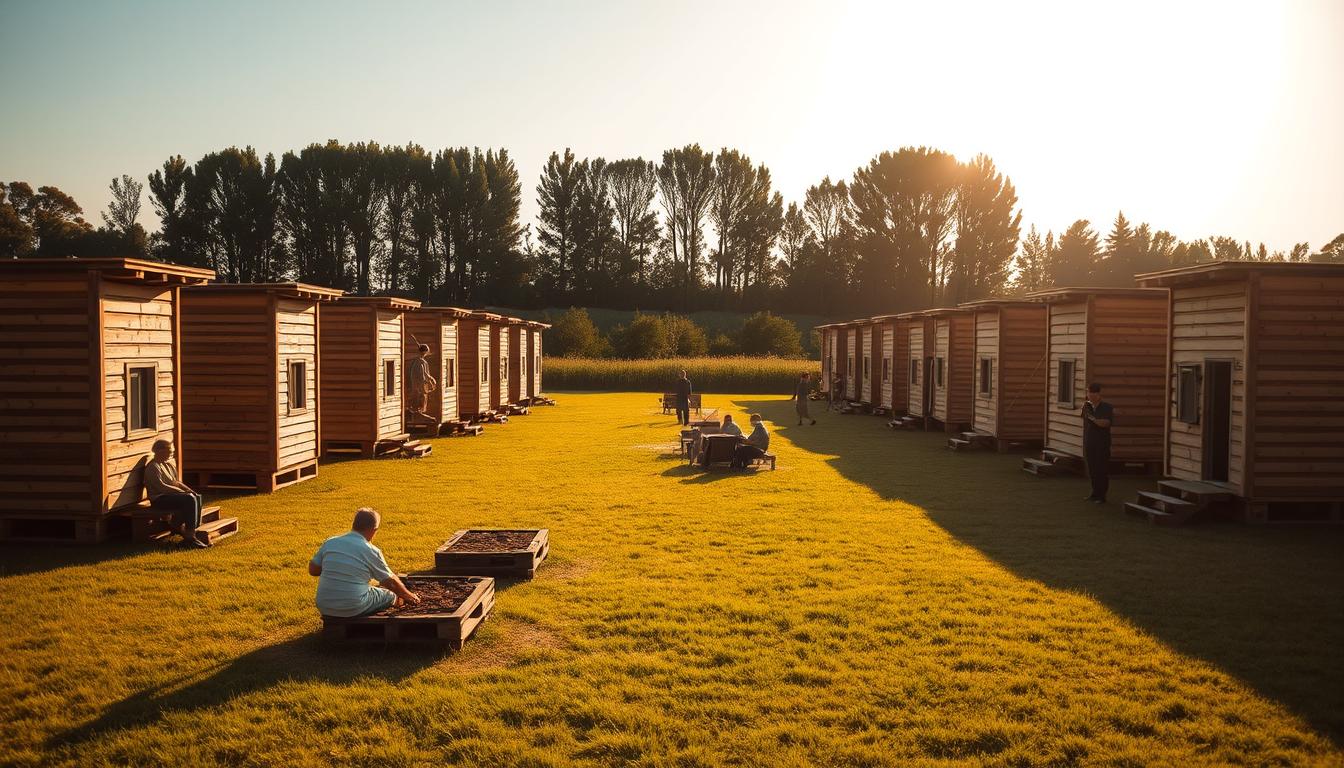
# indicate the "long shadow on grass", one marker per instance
pixel 1265 604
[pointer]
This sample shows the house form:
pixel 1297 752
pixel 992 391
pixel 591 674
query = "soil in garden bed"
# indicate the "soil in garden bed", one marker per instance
pixel 493 541
pixel 436 596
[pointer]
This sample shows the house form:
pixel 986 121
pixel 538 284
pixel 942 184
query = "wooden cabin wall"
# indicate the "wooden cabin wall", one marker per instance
pixel 1208 323
pixel 900 364
pixel 498 352
pixel 538 361
pixel 346 348
pixel 985 408
pixel 296 341
pixel 889 357
pixel 852 363
pixel 915 400
pixel 390 407
pixel 1068 341
pixel 139 326
pixel 1020 373
pixel 517 363
pixel 469 389
pixel 51 410
pixel 228 372
pixel 425 327
pixel 961 368
pixel 1297 355
pixel 942 350
pixel 865 371
pixel 446 395
pixel 1127 355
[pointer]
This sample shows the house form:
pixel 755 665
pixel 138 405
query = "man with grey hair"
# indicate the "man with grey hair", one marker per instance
pixel 344 565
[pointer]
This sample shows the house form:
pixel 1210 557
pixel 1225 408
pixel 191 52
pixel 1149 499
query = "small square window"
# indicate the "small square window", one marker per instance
pixel 142 402
pixel 987 376
pixel 1187 394
pixel 298 385
pixel 389 378
pixel 1065 386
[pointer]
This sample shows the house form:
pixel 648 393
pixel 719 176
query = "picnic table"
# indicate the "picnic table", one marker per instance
pixel 709 419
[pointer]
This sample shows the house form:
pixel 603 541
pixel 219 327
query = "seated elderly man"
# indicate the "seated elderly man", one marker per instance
pixel 344 565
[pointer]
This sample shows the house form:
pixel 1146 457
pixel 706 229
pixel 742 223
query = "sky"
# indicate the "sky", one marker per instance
pixel 1219 118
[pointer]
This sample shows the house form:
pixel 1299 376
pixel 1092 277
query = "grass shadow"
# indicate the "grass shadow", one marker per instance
pixel 1263 603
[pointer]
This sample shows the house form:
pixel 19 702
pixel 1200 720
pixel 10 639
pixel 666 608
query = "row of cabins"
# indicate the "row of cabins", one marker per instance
pixel 1226 377
pixel 253 383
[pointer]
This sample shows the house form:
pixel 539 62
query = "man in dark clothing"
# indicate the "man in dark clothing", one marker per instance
pixel 801 393
pixel 1097 417
pixel 683 390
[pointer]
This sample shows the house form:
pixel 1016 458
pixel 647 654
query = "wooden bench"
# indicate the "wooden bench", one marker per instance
pixel 669 402
pixel 762 460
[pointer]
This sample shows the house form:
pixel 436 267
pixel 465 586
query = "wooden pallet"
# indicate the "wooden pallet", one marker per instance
pixel 518 410
pixel 457 428
pixel 265 482
pixel 54 529
pixel 149 524
pixel 970 441
pixel 451 629
pixel 516 563
pixel 543 400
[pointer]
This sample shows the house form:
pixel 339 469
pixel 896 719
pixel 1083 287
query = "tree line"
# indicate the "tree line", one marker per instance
pixel 697 229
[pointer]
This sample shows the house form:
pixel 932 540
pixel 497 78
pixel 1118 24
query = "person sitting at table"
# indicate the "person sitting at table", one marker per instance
pixel 730 427
pixel 754 446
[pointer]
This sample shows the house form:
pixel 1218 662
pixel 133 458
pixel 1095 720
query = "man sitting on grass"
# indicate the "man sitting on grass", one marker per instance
pixel 344 565
pixel 755 445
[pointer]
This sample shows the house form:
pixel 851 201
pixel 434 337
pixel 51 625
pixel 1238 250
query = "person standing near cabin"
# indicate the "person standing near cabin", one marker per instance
pixel 801 393
pixel 344 565
pixel 1097 418
pixel 683 393
pixel 169 494
pixel 420 382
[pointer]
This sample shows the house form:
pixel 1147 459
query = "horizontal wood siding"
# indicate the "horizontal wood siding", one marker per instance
pixel 892 364
pixel 915 390
pixel 48 395
pixel 431 328
pixel 1021 373
pixel 138 329
pixel 446 396
pixel 348 377
pixel 227 380
pixel 853 364
pixel 1127 356
pixel 986 409
pixel 390 407
pixel 1298 375
pixel 296 335
pixel 1208 322
pixel 866 356
pixel 517 363
pixel 961 367
pixel 473 339
pixel 1068 341
pixel 538 362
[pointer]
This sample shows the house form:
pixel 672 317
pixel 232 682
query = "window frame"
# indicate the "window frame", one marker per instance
pixel 485 369
pixel 886 368
pixel 867 366
pixel 132 432
pixel 1196 373
pixel 1072 402
pixel 290 407
pixel 939 368
pixel 451 370
pixel 986 384
pixel 389 379
pixel 914 371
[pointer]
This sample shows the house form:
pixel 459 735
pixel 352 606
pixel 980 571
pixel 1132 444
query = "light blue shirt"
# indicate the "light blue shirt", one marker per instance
pixel 348 562
pixel 731 428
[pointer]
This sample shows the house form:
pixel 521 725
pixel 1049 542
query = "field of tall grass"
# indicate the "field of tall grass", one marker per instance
pixel 767 375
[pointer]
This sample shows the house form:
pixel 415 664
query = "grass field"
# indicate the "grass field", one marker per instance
pixel 773 375
pixel 876 601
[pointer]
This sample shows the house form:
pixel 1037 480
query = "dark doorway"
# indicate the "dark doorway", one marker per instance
pixel 1217 419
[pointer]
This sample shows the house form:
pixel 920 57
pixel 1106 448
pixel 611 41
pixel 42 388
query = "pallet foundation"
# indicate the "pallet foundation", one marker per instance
pixel 264 482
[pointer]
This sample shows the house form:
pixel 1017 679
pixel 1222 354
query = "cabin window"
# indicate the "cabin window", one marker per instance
pixel 504 369
pixel 886 369
pixel 451 372
pixel 914 371
pixel 536 365
pixel 867 366
pixel 298 385
pixel 987 377
pixel 1064 392
pixel 1187 394
pixel 389 378
pixel 485 369
pixel 142 401
pixel 938 372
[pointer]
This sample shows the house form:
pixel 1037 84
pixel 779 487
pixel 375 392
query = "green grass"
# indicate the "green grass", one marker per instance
pixel 708 374
pixel 713 321
pixel 876 601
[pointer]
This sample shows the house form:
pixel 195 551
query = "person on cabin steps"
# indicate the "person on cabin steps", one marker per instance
pixel 169 494
pixel 755 445
pixel 800 393
pixel 344 565
pixel 1097 419
pixel 420 382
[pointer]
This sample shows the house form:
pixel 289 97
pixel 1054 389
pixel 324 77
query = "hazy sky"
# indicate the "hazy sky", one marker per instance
pixel 1201 118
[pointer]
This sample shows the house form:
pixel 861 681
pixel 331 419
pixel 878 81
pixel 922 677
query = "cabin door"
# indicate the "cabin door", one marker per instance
pixel 1218 419
pixel 927 389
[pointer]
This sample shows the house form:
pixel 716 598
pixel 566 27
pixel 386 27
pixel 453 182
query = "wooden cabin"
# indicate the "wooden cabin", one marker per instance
pixel 867 361
pixel 517 362
pixel 90 358
pixel 1009 338
pixel 917 370
pixel 250 399
pixel 826 337
pixel 1255 356
pixel 1115 337
pixel 473 386
pixel 360 349
pixel 895 352
pixel 436 327
pixel 533 332
pixel 953 367
pixel 499 361
pixel 853 387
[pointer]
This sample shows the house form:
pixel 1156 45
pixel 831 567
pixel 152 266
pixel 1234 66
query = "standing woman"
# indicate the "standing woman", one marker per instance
pixel 801 393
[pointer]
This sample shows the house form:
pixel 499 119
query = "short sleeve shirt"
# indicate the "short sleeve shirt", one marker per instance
pixel 348 563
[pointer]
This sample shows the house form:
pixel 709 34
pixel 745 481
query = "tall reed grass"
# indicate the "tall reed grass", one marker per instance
pixel 738 375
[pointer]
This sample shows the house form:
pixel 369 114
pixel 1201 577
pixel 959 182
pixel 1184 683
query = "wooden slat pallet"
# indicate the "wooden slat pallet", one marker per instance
pixel 1039 467
pixel 402 448
pixel 518 410
pixel 451 629
pixel 907 422
pixel 1053 463
pixel 149 524
pixel 517 563
pixel 969 441
pixel 265 482
pixel 543 400
pixel 461 428
pixel 54 529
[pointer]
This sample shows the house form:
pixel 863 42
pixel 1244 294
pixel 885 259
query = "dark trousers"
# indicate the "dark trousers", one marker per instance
pixel 745 454
pixel 683 411
pixel 1098 459
pixel 186 509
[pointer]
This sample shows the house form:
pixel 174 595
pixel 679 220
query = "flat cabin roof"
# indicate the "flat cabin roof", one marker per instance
pixel 1052 295
pixel 456 312
pixel 1213 271
pixel 485 317
pixel 1000 301
pixel 382 302
pixel 116 268
pixel 886 318
pixel 285 290
pixel 912 315
pixel 945 311
pixel 536 324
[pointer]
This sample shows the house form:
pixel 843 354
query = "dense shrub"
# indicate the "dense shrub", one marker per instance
pixel 765 334
pixel 646 337
pixel 688 339
pixel 573 334
pixel 736 375
pixel 724 346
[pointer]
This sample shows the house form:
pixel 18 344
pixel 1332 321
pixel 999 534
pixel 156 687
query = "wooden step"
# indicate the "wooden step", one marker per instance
pixel 1154 516
pixel 1166 503
pixel 1200 493
pixel 417 451
pixel 1038 467
pixel 215 530
pixel 209 514
pixel 1057 457
pixel 957 444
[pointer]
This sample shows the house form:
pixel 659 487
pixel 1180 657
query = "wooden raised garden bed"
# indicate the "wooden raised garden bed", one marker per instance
pixel 449 611
pixel 493 552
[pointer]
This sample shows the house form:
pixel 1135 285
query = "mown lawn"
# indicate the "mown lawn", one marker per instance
pixel 876 601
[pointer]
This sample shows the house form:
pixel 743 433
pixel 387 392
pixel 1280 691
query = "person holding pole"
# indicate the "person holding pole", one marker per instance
pixel 419 383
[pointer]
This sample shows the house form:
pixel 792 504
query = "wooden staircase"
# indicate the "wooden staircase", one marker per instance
pixel 1053 463
pixel 907 422
pixel 401 447
pixel 518 410
pixel 149 524
pixel 1177 502
pixel 970 441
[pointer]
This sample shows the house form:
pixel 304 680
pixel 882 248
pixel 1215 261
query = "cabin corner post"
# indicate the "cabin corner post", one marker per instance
pixel 317 376
pixel 97 397
pixel 1250 364
pixel 273 308
pixel 178 416
pixel 1169 389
